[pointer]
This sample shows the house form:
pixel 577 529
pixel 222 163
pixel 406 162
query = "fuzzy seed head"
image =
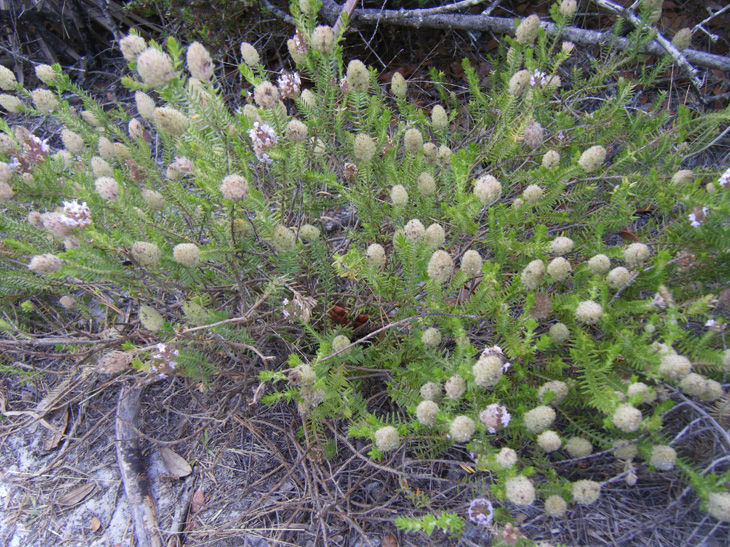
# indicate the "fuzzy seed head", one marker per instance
pixel 683 176
pixel 578 447
pixel 462 429
pixel 431 391
pixel 663 457
pixel 171 120
pixel 641 389
pixel 89 117
pixel 549 441
pixel 471 263
pixel 266 95
pixel 199 62
pixel 375 255
pixel 624 450
pixel 179 168
pixel 323 39
pixel 340 342
pixel 532 194
pixel 568 8
pixel 296 131
pixel 431 337
pixel 413 141
pixel 627 418
pixel 533 137
pixel 386 438
pixel 107 188
pixel 234 187
pixel 693 384
pixel 146 253
pixel 309 233
pixel 527 30
pixel 153 199
pixel 618 278
pixel 5 172
pixel 506 458
pixel 713 391
pixel 487 189
pixel 72 141
pixel 10 103
pixel 426 183
pixel 539 419
pixel 358 77
pixel 589 312
pixel 67 302
pixel 439 118
pixel 599 264
pixel 562 245
pixel 414 230
pixel 553 392
pixel 398 85
pixel 249 54
pixel 145 105
pixel 106 148
pixel 718 506
pixel 364 148
pixel 309 98
pixel 674 367
pixel 556 506
pixel 559 333
pixel 45 264
pixel 636 254
pixel 284 239
pixel 426 413
pixel 559 269
pixel 7 145
pixel 399 195
pixel 121 151
pixel 455 387
pixel 150 318
pixel 549 160
pixel 519 490
pixel 533 274
pixel 132 46
pixel 303 376
pixel 435 236
pixel 592 158
pixel 186 254
pixel 155 67
pixel 440 267
pixel 43 100
pixel 682 39
pixel 443 158
pixel 487 371
pixel 7 79
pixel 586 492
pixel 519 82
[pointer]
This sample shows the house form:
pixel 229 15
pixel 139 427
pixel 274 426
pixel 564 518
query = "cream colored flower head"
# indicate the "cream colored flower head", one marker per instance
pixel 155 67
pixel 199 62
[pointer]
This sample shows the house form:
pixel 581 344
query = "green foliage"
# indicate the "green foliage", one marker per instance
pixel 252 278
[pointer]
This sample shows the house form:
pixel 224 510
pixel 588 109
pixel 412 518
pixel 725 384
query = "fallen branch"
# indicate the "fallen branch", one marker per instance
pixel 131 468
pixel 504 25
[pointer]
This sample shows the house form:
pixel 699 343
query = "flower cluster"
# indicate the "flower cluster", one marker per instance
pixel 262 138
pixel 289 85
pixel 480 511
pixel 163 362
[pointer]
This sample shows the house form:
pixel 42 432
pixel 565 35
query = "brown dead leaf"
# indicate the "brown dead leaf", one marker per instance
pixel 174 463
pixel 389 540
pixel 74 497
pixel 542 306
pixel 198 501
pixel 95 524
pixel 113 362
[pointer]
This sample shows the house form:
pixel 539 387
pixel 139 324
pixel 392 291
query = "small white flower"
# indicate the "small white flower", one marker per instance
pixel 537 78
pixel 710 323
pixel 284 304
pixel 693 221
pixel 724 178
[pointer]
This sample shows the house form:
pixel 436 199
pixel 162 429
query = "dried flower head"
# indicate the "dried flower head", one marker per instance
pixel 289 84
pixel 683 176
pixel 398 85
pixel 526 32
pixel 263 139
pixel 249 54
pixel 186 254
pixel 519 490
pixel 533 137
pixel 171 120
pixel 592 158
pixel 155 67
pixel 413 141
pixel 375 255
pixel 440 267
pixel 199 62
pixel 43 100
pixel 234 187
pixel 586 492
pixel 713 391
pixel 146 253
pixel 107 188
pixel 386 438
pixel 627 418
pixel 589 312
pixel 539 419
pixel 462 429
pixel 487 189
pixel 45 264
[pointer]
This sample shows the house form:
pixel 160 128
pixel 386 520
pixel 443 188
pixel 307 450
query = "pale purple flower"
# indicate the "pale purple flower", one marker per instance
pixel 75 214
pixel 724 178
pixel 693 221
pixel 289 84
pixel 480 511
pixel 537 78
pixel 263 138
pixel 42 144
pixel 495 417
pixel 710 323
